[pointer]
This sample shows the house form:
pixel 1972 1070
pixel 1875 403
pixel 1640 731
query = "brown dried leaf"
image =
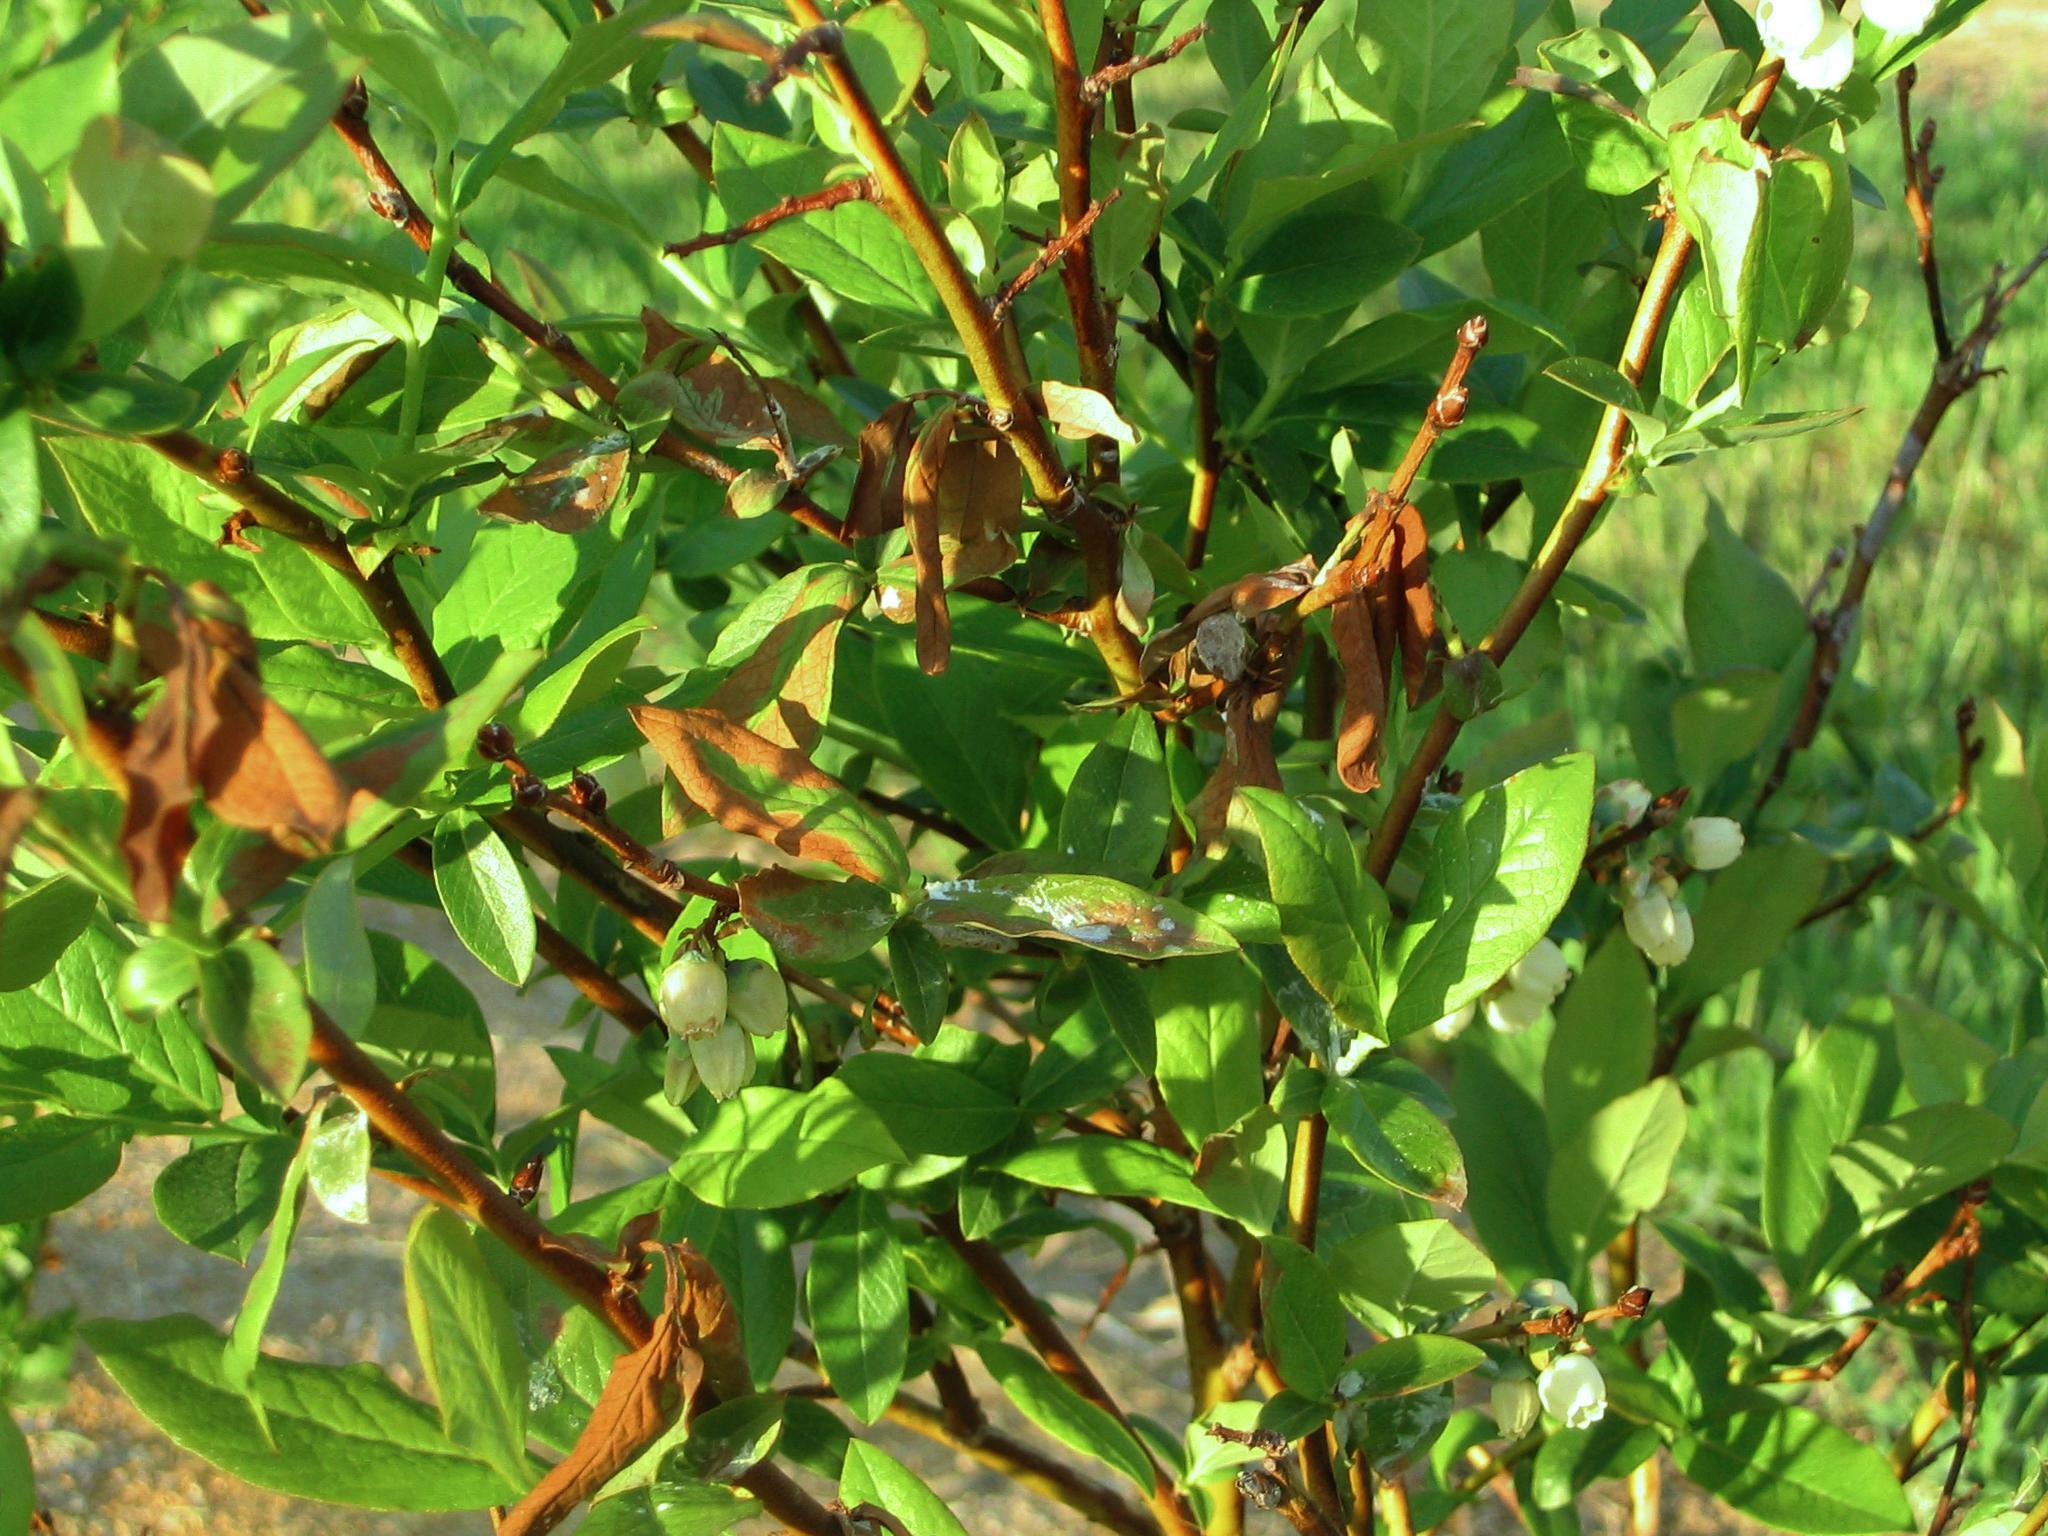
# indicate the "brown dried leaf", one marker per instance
pixel 645 1391
pixel 980 508
pixel 1362 724
pixel 921 516
pixel 722 402
pixel 1078 412
pixel 661 334
pixel 876 506
pixel 566 491
pixel 746 783
pixel 1409 568
pixel 17 806
pixel 1248 596
pixel 783 689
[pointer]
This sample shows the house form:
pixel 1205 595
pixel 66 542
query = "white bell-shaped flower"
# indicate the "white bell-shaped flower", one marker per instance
pixel 724 1060
pixel 1452 1025
pixel 678 1071
pixel 1515 1405
pixel 755 997
pixel 693 995
pixel 1825 63
pixel 1902 16
pixel 1512 1010
pixel 1656 919
pixel 1790 26
pixel 1712 842
pixel 1543 970
pixel 1573 1390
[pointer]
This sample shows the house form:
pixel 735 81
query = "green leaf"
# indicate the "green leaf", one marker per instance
pixel 582 679
pixel 1722 204
pixel 1208 1065
pixel 1091 911
pixel 1889 1169
pixel 428 1027
pixel 1810 233
pixel 49 1162
pixel 132 209
pixel 774 1146
pixel 1499 872
pixel 1324 258
pixel 1395 1137
pixel 873 1476
pixel 480 886
pixel 885 47
pixel 244 1350
pixel 220 1198
pixel 923 985
pixel 1739 612
pixel 468 1342
pixel 859 1304
pixel 1118 806
pixel 1605 1037
pixel 17 1480
pixel 1120 993
pixel 1818 1103
pixel 21 496
pixel 1792 1470
pixel 341 1434
pixel 1063 1413
pixel 1435 59
pixel 38 926
pixel 1506 1143
pixel 121 404
pixel 254 1011
pixel 341 975
pixel 1406 1275
pixel 1614 1168
pixel 46 110
pixel 1397 1366
pixel 338 1161
pixel 1942 1061
pixel 931 1108
pixel 1597 380
pixel 1332 919
pixel 1106 1165
pixel 1302 1319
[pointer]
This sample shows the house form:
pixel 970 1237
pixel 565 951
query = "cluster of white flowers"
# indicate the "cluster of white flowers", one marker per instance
pixel 1569 1388
pixel 1652 910
pixel 710 1009
pixel 1818 45
pixel 1519 998
pixel 1656 917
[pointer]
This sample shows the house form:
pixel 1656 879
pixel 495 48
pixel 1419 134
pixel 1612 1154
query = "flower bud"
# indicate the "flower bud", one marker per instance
pixel 1902 16
pixel 1712 842
pixel 1544 971
pixel 1451 1025
pixel 693 995
pixel 1621 803
pixel 1222 645
pixel 1511 1010
pixel 724 1060
pixel 755 998
pixel 1789 26
pixel 1539 1294
pixel 678 1071
pixel 1657 920
pixel 157 976
pixel 1826 62
pixel 1572 1389
pixel 1515 1405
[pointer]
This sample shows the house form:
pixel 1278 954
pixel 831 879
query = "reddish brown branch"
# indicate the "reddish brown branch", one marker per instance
pixel 1922 177
pixel 1110 76
pixel 857 189
pixel 1052 251
pixel 1203 355
pixel 1966 1423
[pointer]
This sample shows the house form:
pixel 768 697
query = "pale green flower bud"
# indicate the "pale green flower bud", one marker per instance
pixel 724 1060
pixel 1544 970
pixel 693 995
pixel 755 997
pixel 1512 1010
pixel 1515 1405
pixel 678 1071
pixel 1573 1390
pixel 1657 920
pixel 1712 842
pixel 1622 803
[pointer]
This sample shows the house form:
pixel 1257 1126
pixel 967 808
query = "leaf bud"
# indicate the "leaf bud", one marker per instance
pixel 494 742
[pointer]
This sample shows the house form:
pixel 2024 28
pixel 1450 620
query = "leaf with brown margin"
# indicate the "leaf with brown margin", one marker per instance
pixel 1092 911
pixel 815 922
pixel 720 401
pixel 566 491
pixel 980 507
pixel 876 506
pixel 921 516
pixel 645 1391
pixel 1362 723
pixel 747 783
pixel 780 654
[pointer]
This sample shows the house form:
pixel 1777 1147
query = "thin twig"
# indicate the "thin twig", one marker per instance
pixel 1055 249
pixel 1966 1425
pixel 1110 76
pixel 1922 178
pixel 1203 356
pixel 857 189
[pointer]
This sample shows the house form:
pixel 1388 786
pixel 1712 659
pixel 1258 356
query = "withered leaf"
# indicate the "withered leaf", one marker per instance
pixel 921 516
pixel 719 400
pixel 566 491
pixel 1247 597
pixel 1409 570
pixel 747 783
pixel 782 689
pixel 661 334
pixel 980 507
pixel 645 1391
pixel 876 506
pixel 213 732
pixel 1362 724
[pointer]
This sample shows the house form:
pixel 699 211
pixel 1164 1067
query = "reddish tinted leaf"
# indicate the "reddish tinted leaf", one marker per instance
pixel 747 783
pixel 566 491
pixel 921 515
pixel 816 922
pixel 720 401
pixel 786 643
